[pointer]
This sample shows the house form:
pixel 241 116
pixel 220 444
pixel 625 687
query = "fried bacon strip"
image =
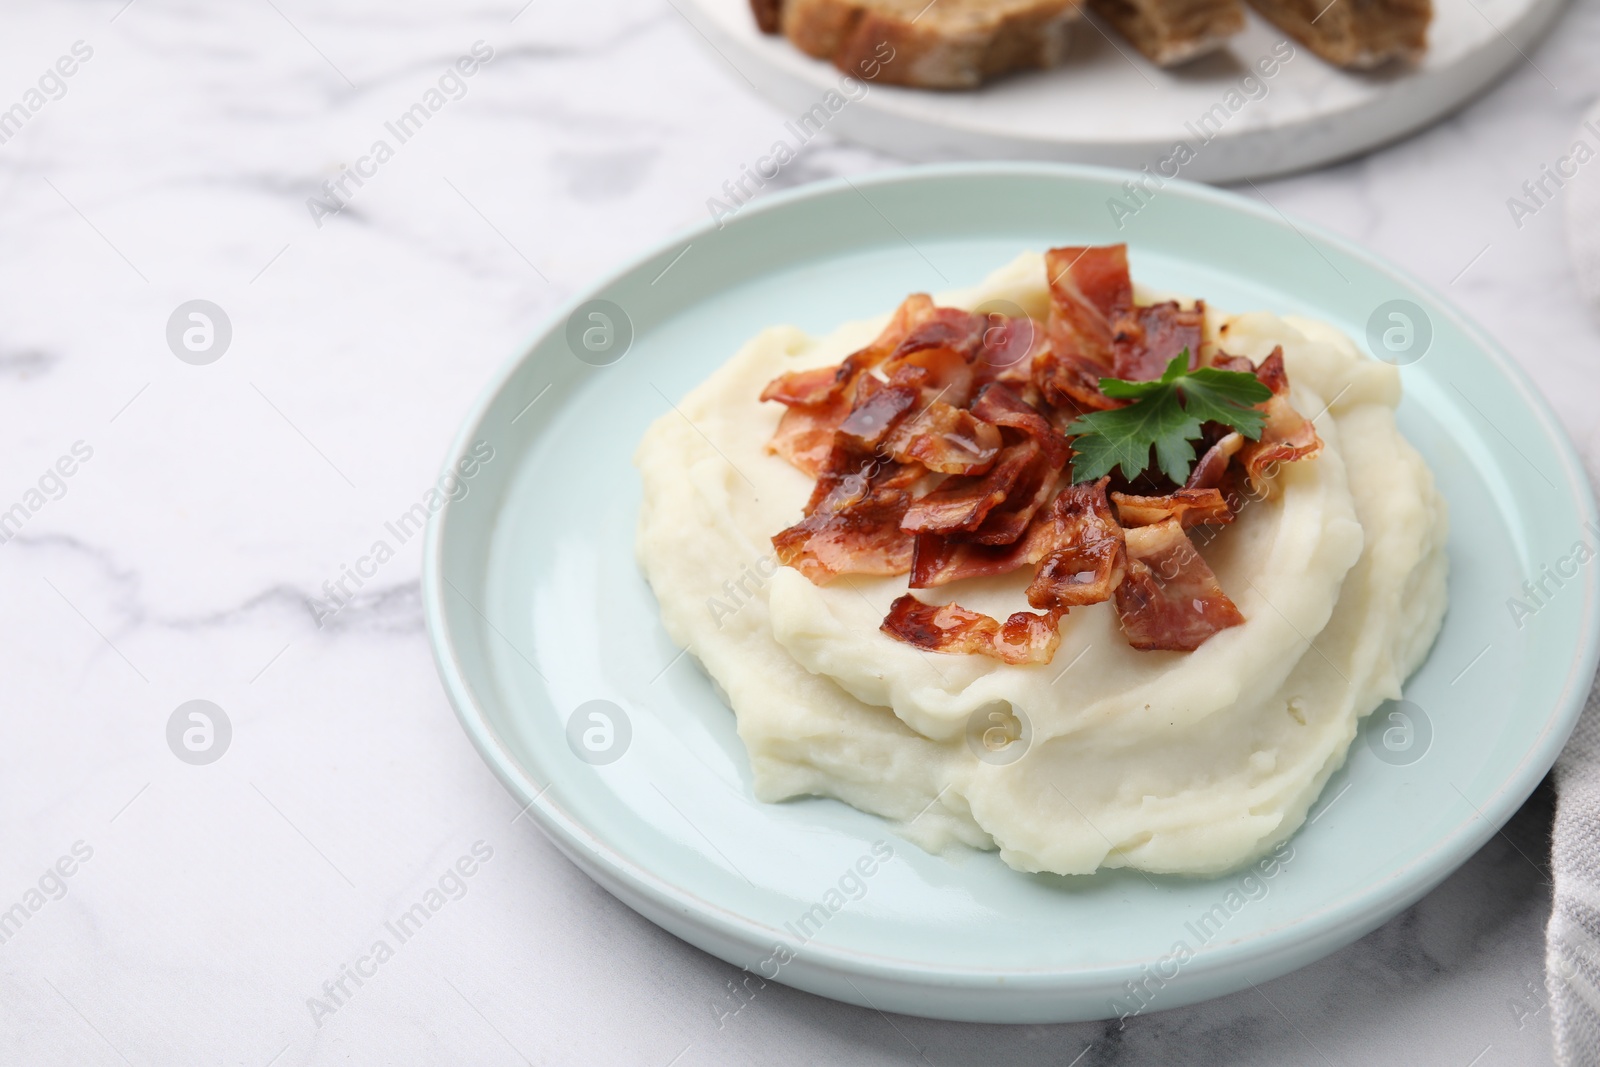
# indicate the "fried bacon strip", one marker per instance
pixel 1031 491
pixel 852 523
pixel 1088 287
pixel 1022 638
pixel 1170 599
pixel 1096 331
pixel 816 385
pixel 1203 499
pixel 1211 472
pixel 946 439
pixel 1087 558
pixel 1288 435
pixel 1191 507
pixel 938 560
pixel 820 398
pixel 1009 347
pixel 878 409
pixel 1148 338
pixel 805 434
pixel 1002 405
pixel 994 509
pixel 1041 452
pixel 949 329
pixel 962 504
pixel 1076 539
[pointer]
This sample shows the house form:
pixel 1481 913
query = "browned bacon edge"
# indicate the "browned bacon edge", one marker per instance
pixel 1170 599
pixel 1287 437
pixel 1022 638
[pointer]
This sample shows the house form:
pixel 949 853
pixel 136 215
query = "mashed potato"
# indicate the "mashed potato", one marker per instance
pixel 1165 761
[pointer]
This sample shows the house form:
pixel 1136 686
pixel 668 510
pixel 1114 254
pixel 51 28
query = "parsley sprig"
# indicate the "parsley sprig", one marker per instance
pixel 1124 436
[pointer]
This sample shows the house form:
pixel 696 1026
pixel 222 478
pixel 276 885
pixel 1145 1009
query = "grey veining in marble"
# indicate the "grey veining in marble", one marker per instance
pixel 177 561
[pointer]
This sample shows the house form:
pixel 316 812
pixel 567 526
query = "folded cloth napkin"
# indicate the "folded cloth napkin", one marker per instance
pixel 1572 942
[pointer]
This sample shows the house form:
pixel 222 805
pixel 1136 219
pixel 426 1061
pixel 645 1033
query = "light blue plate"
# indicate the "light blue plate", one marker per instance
pixel 535 607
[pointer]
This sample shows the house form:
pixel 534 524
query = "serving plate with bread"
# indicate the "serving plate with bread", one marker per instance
pixel 1214 90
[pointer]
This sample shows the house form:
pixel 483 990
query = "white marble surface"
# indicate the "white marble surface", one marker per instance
pixel 178 562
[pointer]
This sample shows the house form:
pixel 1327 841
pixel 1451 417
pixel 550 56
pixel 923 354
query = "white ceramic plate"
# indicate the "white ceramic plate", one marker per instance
pixel 1108 105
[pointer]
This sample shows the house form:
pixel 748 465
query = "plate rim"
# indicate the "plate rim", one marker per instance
pixel 1408 882
pixel 1403 107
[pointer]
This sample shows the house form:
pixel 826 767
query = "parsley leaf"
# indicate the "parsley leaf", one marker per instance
pixel 1124 436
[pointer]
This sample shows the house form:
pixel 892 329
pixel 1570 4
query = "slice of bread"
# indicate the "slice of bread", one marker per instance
pixel 1359 34
pixel 945 44
pixel 1169 32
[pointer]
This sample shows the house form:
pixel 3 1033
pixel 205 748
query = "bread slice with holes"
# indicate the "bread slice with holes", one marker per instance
pixel 1170 32
pixel 1358 34
pixel 943 44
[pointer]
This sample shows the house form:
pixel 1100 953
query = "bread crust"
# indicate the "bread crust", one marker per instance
pixel 1170 32
pixel 960 44
pixel 952 44
pixel 1356 34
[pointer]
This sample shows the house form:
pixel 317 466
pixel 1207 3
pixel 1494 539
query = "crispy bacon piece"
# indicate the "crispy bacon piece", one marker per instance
pixel 801 388
pixel 1222 361
pixel 816 405
pixel 1147 338
pixel 932 364
pixel 946 439
pixel 948 328
pixel 912 312
pixel 1007 522
pixel 926 352
pixel 939 560
pixel 1190 507
pixel 1088 287
pixel 804 435
pixel 1212 469
pixel 1037 480
pixel 1022 638
pixel 961 504
pixel 811 386
pixel 1009 345
pixel 852 522
pixel 879 407
pixel 1087 557
pixel 1204 498
pixel 1076 534
pixel 994 509
pixel 945 374
pixel 1170 599
pixel 1287 436
pixel 1002 405
pixel 1096 331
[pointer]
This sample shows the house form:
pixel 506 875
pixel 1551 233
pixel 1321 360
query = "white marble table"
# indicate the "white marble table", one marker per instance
pixel 207 905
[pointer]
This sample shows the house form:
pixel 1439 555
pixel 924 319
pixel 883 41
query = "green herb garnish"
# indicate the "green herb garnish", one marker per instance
pixel 1156 418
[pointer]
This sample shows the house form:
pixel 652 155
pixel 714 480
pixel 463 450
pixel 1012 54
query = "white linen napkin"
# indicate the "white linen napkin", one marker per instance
pixel 1572 942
